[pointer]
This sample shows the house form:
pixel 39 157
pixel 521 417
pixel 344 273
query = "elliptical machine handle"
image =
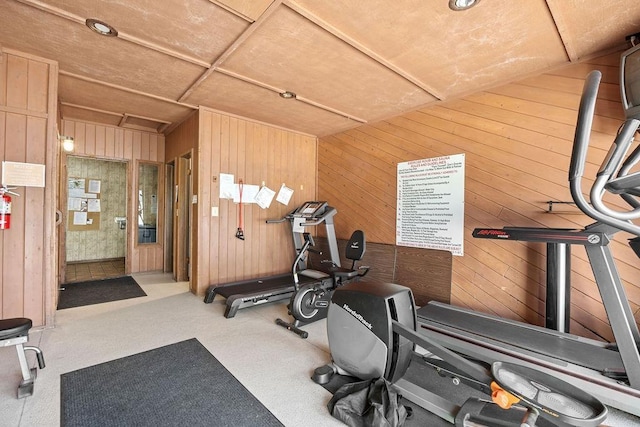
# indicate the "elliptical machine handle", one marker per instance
pixel 612 161
pixel 609 167
pixel 586 112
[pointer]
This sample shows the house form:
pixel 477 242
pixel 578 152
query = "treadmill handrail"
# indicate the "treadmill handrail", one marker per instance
pixel 329 211
pixel 308 223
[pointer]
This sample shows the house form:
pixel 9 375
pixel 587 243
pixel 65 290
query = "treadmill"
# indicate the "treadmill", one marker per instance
pixel 251 292
pixel 610 372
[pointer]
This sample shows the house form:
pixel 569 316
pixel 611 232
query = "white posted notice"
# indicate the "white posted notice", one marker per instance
pixel 430 206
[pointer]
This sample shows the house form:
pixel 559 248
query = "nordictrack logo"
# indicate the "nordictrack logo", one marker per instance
pixel 357 316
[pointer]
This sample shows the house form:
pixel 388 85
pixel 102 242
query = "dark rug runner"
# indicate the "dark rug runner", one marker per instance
pixel 98 291
pixel 180 384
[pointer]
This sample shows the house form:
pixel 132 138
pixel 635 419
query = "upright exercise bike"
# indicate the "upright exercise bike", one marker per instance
pixel 310 301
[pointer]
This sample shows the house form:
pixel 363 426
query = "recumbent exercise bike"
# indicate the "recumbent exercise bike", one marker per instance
pixel 310 302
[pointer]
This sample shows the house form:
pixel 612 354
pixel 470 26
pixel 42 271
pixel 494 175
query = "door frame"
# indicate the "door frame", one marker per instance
pixel 170 199
pixel 63 213
pixel 183 220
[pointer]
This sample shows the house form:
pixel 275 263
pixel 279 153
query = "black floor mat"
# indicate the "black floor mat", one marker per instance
pixel 98 291
pixel 180 384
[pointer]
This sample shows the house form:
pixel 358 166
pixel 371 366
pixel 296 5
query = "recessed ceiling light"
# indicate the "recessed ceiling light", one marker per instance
pixel 101 28
pixel 462 4
pixel 287 95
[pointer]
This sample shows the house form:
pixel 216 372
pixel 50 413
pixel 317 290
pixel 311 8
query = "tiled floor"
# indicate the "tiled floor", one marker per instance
pixel 81 271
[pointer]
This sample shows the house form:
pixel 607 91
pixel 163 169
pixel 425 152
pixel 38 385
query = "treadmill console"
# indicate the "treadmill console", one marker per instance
pixel 310 210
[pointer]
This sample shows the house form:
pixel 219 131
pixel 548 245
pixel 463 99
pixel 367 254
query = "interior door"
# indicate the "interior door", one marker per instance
pixel 182 220
pixel 170 194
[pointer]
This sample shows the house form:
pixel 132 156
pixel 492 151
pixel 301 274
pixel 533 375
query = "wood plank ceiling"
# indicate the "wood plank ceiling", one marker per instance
pixel 348 62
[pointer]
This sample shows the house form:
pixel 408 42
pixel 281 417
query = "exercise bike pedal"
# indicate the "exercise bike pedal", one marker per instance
pixel 321 304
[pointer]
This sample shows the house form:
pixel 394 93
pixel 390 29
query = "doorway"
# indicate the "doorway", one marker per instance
pixel 182 219
pixel 169 195
pixel 95 227
pixel 94 270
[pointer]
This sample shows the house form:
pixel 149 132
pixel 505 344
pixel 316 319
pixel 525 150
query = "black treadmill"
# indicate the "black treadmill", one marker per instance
pixel 257 291
pixel 252 292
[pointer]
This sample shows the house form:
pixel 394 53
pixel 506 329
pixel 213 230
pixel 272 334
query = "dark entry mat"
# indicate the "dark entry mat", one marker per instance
pixel 98 291
pixel 181 384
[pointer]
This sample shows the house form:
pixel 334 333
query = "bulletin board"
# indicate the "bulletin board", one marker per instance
pixel 83 204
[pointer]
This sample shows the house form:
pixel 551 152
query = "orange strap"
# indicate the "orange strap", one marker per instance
pixel 501 397
pixel 240 218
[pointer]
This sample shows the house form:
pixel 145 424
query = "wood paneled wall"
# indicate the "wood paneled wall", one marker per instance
pixel 517 139
pixel 396 264
pixel 112 143
pixel 183 141
pixel 259 155
pixel 28 111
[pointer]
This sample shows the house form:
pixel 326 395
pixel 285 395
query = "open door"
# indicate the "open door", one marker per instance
pixel 170 194
pixel 182 220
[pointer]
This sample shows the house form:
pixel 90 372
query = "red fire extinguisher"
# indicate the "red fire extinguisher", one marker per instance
pixel 5 211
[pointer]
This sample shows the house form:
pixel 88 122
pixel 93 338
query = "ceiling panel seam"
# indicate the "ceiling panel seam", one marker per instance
pixel 123 36
pixel 279 90
pixel 233 11
pixel 561 29
pixel 162 124
pixel 331 110
pixel 308 15
pixel 126 89
pixel 244 36
pixel 96 110
pixel 136 116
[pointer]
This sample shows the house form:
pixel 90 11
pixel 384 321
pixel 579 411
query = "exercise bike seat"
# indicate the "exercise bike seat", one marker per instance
pixel 356 247
pixel 13 328
pixel 343 273
pixel 314 274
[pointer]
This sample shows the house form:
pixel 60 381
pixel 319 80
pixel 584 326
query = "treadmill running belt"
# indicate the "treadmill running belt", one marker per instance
pixel 529 337
pixel 282 283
